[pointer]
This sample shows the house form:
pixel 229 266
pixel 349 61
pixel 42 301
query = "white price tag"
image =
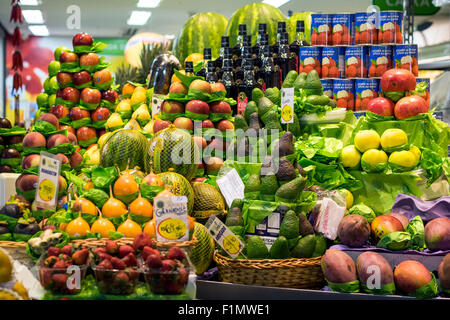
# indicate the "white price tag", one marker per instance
pixel 171 216
pixel 287 105
pixel 224 237
pixel 157 101
pixel 48 182
pixel 231 186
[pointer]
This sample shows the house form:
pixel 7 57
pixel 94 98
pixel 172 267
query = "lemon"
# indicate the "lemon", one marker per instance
pixel 405 159
pixel 367 139
pixel 350 156
pixel 194 57
pixel 5 267
pixel 392 138
pixel 416 152
pixel 348 199
pixel 21 290
pixel 373 157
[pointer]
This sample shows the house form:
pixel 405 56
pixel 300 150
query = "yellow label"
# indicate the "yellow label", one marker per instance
pixel 231 244
pixel 287 113
pixel 172 229
pixel 47 190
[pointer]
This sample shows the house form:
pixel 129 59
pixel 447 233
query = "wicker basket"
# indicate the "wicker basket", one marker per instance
pixel 17 250
pixel 286 273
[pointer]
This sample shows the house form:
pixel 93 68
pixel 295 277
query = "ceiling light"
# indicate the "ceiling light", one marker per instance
pixel 139 18
pixel 169 36
pixel 39 30
pixel 276 3
pixel 29 2
pixel 33 16
pixel 148 3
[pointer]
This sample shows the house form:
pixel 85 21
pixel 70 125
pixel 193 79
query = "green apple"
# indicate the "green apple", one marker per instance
pixel 52 100
pixel 42 100
pixel 59 50
pixel 53 68
pixel 53 84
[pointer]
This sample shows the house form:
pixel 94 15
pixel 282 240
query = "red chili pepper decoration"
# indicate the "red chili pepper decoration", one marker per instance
pixel 17 82
pixel 14 1
pixel 16 14
pixel 16 37
pixel 17 61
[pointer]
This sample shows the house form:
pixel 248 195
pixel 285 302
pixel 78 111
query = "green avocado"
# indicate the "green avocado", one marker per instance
pixel 256 248
pixel 305 247
pixel 290 79
pixel 280 248
pixel 289 225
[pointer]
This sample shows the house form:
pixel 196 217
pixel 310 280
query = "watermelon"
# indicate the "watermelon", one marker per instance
pixel 201 254
pixel 179 186
pixel 252 15
pixel 125 145
pixel 291 25
pixel 174 148
pixel 203 30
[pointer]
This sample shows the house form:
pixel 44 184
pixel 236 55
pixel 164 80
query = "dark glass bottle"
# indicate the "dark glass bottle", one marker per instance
pixel 284 59
pixel 206 59
pixel 246 86
pixel 224 45
pixel 268 76
pixel 237 49
pixel 262 30
pixel 245 49
pixel 281 29
pixel 228 78
pixel 246 56
pixel 189 68
pixel 211 75
pixel 299 41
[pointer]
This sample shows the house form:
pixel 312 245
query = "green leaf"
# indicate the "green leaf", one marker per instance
pixel 186 80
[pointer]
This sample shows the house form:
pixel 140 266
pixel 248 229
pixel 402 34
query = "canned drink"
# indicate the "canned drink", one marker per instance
pixel 344 93
pixel 366 28
pixel 333 62
pixel 423 87
pixel 390 29
pixel 321 29
pixel 380 60
pixel 342 29
pixel 405 57
pixel 366 90
pixel 327 85
pixel 356 58
pixel 310 58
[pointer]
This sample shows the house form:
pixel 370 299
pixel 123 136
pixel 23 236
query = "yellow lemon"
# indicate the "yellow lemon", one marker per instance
pixel 392 138
pixel 5 267
pixel 405 159
pixel 350 156
pixel 367 139
pixel 194 57
pixel 349 199
pixel 416 152
pixel 372 158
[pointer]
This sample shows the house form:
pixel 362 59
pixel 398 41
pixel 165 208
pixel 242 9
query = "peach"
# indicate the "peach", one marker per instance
pixel 75 159
pixel 62 158
pixel 217 87
pixel 178 87
pixel 86 133
pixel 31 160
pixel 224 125
pixel 34 139
pixel 50 118
pixel 183 123
pixel 207 124
pixel 198 107
pixel 220 107
pixel 56 139
pixel 200 85
pixel 160 125
pixel 72 138
pixel 60 111
pixel 27 182
pixel 172 107
pixel 69 129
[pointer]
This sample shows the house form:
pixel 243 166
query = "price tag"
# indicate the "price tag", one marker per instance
pixel 157 101
pixel 48 181
pixel 224 237
pixel 231 186
pixel 287 105
pixel 171 218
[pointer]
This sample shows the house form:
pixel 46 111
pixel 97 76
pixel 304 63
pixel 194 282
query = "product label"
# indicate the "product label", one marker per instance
pixel 366 28
pixel 171 218
pixel 241 102
pixel 342 26
pixel 310 59
pixel 269 227
pixel 390 27
pixel 223 236
pixel 344 93
pixel 48 182
pixel 356 62
pixel 157 101
pixel 328 219
pixel 405 57
pixel 287 105
pixel 327 85
pixel 231 186
pixel 366 90
pixel 321 29
pixel 333 62
pixel 380 60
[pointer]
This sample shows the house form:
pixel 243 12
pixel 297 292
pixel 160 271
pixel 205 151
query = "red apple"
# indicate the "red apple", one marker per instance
pixel 75 159
pixel 102 76
pixel 184 123
pixel 91 96
pixel 159 125
pixel 50 118
pixel 220 107
pixel 62 158
pixel 69 129
pixel 178 87
pixel 82 39
pixel 382 106
pixel 59 93
pixel 172 107
pixel 56 139
pixel 410 106
pixel 77 113
pixel 224 125
pixel 59 111
pixel 86 133
pixel 207 124
pixel 200 85
pixel 110 95
pixel 64 78
pixel 67 56
pixel 397 80
pixel 71 94
pixel 217 86
pixel 82 77
pixel 100 114
pixel 89 59
pixel 198 107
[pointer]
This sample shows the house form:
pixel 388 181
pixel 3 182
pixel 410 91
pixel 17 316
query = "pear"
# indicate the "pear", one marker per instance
pixel 115 120
pixel 102 226
pixel 129 228
pixel 124 105
pixel 133 124
pixel 138 96
pixel 113 207
pixel 92 156
pixel 149 127
pixel 78 227
pixel 141 206
pixel 126 188
pixel 141 113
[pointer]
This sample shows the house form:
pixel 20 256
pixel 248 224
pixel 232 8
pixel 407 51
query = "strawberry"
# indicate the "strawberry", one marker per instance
pixel 111 247
pixel 53 251
pixel 130 260
pixel 67 249
pixel 176 253
pixel 105 264
pixel 60 280
pixel 125 250
pixel 154 261
pixel 142 240
pixel 168 265
pixel 103 256
pixel 65 257
pixel 81 256
pixel 45 276
pixel 184 275
pixel 97 251
pixel 147 251
pixel 60 264
pixel 121 278
pixel 50 261
pixel 117 263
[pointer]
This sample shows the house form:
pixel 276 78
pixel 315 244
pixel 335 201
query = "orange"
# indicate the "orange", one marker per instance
pixel 102 226
pixel 78 227
pixel 128 89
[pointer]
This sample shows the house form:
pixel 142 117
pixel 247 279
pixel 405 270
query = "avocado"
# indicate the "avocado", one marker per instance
pixel 11 210
pixel 320 247
pixel 305 227
pixel 253 184
pixel 269 185
pixel 243 147
pixel 294 127
pixel 256 248
pixel 300 82
pixel 313 86
pixel 271 121
pixel 290 191
pixel 240 122
pixel 264 105
pixel 257 94
pixel 286 144
pixel 250 108
pixel 234 218
pixel 321 100
pixel 286 171
pixel 255 122
pixel 289 225
pixel 280 248
pixel 237 203
pixel 305 247
pixel 267 167
pixel 274 95
pixel 290 79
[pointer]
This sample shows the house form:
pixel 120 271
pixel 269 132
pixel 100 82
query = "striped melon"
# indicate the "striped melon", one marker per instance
pixel 203 30
pixel 125 145
pixel 201 254
pixel 252 15
pixel 179 186
pixel 291 25
pixel 174 148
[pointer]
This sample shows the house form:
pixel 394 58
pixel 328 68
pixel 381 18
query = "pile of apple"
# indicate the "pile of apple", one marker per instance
pixel 399 98
pixel 79 87
pixel 53 273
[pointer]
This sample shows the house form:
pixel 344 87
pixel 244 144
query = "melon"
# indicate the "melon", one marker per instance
pixel 125 145
pixel 252 15
pixel 291 25
pixel 203 30
pixel 208 201
pixel 179 186
pixel 174 148
pixel 201 254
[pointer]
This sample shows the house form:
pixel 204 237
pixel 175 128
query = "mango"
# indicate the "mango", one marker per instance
pixel 354 230
pixel 374 270
pixel 444 273
pixel 437 234
pixel 385 224
pixel 338 267
pixel 411 275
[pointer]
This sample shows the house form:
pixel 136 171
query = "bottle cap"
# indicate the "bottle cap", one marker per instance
pixel 300 26
pixel 281 26
pixel 225 42
pixel 207 53
pixel 248 65
pixel 262 28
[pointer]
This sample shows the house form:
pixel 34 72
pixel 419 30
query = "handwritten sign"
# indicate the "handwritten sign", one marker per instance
pixel 48 182
pixel 171 218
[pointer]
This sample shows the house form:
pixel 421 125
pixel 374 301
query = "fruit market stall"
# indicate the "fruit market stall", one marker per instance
pixel 276 164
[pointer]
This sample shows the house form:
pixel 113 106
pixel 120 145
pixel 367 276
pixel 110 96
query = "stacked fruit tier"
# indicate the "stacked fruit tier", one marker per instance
pixel 11 151
pixel 79 90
